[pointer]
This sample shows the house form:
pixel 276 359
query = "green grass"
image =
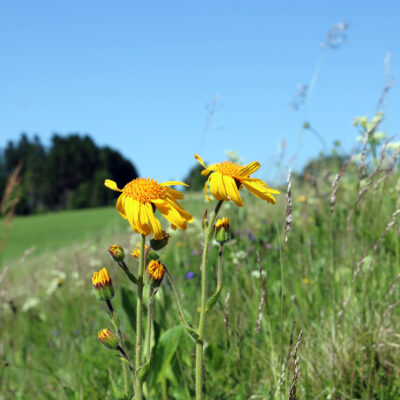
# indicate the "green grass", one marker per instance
pixel 350 347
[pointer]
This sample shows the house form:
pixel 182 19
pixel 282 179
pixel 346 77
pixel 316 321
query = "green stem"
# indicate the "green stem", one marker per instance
pixel 139 312
pixel 178 299
pixel 124 268
pixel 202 323
pixel 123 353
pixel 115 321
pixel 148 330
pixel 219 275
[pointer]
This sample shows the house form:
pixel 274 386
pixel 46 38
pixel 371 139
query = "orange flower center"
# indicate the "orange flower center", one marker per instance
pixel 228 168
pixel 144 190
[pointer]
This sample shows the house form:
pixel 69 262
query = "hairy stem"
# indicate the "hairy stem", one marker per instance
pixel 202 323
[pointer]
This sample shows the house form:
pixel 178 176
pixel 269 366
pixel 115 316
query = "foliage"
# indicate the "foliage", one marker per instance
pixel 69 174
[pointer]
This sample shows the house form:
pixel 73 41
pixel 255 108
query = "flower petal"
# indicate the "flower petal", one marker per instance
pixel 200 160
pixel 173 183
pixel 174 193
pixel 120 207
pixel 205 188
pixel 249 169
pixel 170 213
pixel 111 185
pixel 217 186
pixel 154 222
pixel 259 189
pixel 232 190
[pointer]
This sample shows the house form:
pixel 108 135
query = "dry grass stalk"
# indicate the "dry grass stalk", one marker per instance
pixel 226 317
pixel 335 185
pixel 393 287
pixel 387 229
pixel 341 313
pixel 286 362
pixel 288 206
pixel 263 295
pixel 292 391
pixel 11 197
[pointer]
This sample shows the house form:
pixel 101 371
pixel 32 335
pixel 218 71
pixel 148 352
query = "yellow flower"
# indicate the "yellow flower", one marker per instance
pixel 136 251
pixel 139 199
pixel 226 178
pixel 107 337
pixel 222 222
pixel 155 270
pixel 102 285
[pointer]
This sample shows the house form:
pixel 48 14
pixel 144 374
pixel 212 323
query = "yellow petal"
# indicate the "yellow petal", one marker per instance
pixel 120 206
pixel 173 183
pixel 111 185
pixel 174 193
pixel 217 186
pixel 205 188
pixel 249 169
pixel 200 160
pixel 180 209
pixel 232 190
pixel 259 189
pixel 154 222
pixel 170 213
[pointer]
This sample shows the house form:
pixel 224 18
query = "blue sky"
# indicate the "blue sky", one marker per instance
pixel 138 75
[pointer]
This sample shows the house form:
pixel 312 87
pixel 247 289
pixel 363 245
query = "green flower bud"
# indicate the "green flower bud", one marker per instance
pixel 102 285
pixel 158 244
pixel 107 337
pixel 155 271
pixel 117 252
pixel 222 231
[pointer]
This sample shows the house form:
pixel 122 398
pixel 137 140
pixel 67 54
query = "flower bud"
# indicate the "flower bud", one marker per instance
pixel 158 244
pixel 222 231
pixel 117 252
pixel 102 285
pixel 136 253
pixel 155 271
pixel 107 337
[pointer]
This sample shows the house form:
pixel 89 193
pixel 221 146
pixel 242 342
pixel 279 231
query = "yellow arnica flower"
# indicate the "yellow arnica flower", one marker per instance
pixel 107 337
pixel 222 222
pixel 136 251
pixel 155 269
pixel 226 178
pixel 139 199
pixel 101 279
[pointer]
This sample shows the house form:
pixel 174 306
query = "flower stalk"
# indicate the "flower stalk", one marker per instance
pixel 139 317
pixel 203 307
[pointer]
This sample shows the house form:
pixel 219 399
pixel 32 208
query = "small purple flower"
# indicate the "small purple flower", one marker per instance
pixel 190 275
pixel 250 235
pixel 268 246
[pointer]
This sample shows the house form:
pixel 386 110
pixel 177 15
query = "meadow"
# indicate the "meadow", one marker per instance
pixel 319 311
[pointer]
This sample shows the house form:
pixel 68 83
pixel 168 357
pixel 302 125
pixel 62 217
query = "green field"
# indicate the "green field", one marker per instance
pixel 336 277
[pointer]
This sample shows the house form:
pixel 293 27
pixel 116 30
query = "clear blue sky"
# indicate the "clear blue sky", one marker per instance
pixel 137 75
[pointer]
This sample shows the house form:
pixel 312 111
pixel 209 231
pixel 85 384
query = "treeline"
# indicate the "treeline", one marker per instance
pixel 69 174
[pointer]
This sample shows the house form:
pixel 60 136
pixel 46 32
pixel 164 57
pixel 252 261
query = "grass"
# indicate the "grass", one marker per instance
pixel 341 291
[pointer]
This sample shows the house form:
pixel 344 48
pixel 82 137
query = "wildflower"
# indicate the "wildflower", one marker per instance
pixel 102 285
pixel 222 230
pixel 226 178
pixel 152 255
pixel 190 275
pixel 158 244
pixel 107 337
pixel 117 252
pixel 155 271
pixel 139 199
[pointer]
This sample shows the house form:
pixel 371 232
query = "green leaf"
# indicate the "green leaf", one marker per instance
pixel 128 299
pixel 212 301
pixel 164 352
pixel 142 373
pixel 118 391
pixel 192 332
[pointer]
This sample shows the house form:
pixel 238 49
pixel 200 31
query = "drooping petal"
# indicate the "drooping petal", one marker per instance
pixel 188 217
pixel 154 222
pixel 232 190
pixel 173 183
pixel 200 160
pixel 143 221
pixel 170 213
pixel 249 169
pixel 259 189
pixel 111 185
pixel 217 186
pixel 174 193
pixel 120 206
pixel 205 188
